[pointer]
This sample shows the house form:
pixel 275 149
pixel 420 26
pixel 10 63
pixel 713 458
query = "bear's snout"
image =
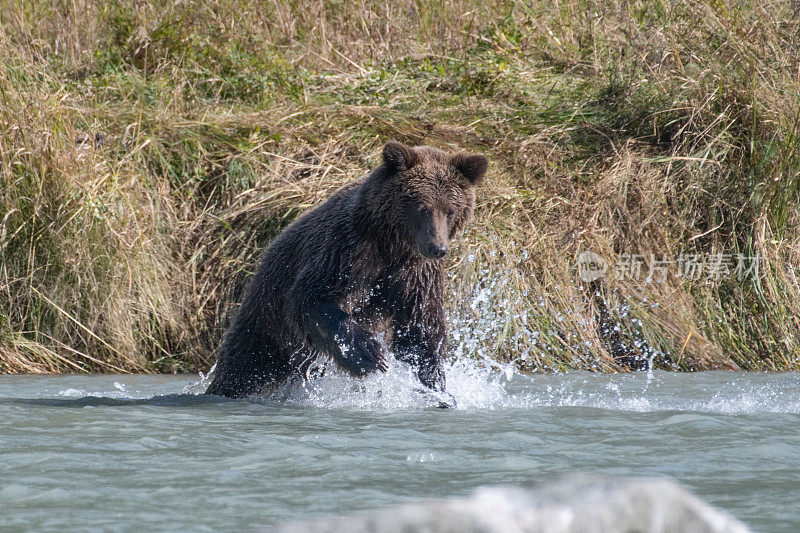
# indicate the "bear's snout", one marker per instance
pixel 436 251
pixel 432 234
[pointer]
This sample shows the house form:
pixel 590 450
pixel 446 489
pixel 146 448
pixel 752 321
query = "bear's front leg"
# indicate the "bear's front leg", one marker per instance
pixel 422 344
pixel 421 341
pixel 335 332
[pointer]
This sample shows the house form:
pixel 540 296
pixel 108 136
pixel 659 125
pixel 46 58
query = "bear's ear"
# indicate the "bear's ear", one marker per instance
pixel 473 167
pixel 398 157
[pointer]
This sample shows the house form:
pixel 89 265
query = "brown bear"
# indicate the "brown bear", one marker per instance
pixel 367 259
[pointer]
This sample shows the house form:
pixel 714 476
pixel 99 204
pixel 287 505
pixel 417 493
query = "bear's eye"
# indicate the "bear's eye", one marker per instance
pixel 451 213
pixel 422 210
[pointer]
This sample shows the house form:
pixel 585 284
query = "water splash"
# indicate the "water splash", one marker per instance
pixel 200 386
pixel 478 386
pixel 488 385
pixel 472 384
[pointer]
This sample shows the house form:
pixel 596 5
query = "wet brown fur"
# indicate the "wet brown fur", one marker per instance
pixel 367 258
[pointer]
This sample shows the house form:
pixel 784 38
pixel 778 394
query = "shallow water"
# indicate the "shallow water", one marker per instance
pixel 136 452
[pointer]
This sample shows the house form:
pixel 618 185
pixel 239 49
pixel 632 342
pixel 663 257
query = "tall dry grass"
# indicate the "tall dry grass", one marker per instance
pixel 148 150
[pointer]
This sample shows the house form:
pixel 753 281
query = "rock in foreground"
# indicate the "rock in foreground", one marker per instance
pixel 579 505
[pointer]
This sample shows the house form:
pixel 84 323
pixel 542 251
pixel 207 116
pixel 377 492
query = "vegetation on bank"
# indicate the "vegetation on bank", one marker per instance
pixel 149 150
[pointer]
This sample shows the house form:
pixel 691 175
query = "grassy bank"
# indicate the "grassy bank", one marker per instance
pixel 149 150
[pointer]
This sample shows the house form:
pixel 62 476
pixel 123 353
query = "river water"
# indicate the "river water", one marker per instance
pixel 146 452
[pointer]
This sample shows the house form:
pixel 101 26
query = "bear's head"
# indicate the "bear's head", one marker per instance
pixel 427 195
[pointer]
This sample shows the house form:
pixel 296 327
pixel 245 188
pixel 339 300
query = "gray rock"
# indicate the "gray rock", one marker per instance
pixel 575 504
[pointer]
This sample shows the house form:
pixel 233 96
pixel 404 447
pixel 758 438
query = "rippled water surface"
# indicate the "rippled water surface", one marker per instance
pixel 145 452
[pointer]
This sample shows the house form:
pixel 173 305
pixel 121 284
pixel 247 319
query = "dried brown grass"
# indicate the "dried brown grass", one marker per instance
pixel 622 127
